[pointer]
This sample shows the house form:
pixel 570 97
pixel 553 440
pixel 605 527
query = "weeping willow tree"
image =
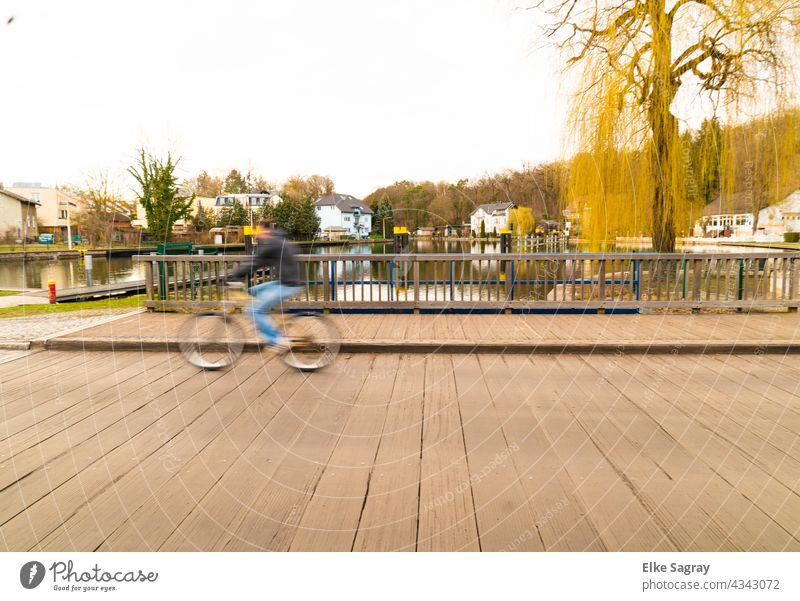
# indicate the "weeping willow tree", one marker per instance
pixel 637 65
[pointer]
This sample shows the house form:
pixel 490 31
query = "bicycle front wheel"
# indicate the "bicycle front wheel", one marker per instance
pixel 211 340
pixel 314 341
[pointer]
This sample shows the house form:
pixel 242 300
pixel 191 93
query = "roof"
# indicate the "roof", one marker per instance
pixel 494 206
pixel 18 197
pixel 733 204
pixel 344 202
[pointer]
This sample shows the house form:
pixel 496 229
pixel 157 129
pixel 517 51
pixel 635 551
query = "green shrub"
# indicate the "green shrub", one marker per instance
pixel 791 236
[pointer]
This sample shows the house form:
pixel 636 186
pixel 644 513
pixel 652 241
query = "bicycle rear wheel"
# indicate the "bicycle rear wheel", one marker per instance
pixel 211 340
pixel 314 341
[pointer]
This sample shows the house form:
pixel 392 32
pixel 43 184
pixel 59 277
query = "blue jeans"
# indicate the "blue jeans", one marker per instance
pixel 267 295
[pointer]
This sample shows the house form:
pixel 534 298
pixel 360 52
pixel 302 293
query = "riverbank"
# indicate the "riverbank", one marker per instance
pixel 45 253
pixel 767 245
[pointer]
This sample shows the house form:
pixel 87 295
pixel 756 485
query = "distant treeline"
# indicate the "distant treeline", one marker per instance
pixel 420 204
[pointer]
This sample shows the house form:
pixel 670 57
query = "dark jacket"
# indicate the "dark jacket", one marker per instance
pixel 275 251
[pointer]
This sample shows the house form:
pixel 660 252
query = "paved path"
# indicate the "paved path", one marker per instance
pixel 17 300
pixel 22 329
pixel 140 451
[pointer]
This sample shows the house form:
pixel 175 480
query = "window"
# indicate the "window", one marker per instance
pixel 62 214
pixel 35 196
pixel 346 218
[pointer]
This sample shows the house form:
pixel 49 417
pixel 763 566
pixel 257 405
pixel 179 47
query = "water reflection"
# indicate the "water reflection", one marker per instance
pixel 68 273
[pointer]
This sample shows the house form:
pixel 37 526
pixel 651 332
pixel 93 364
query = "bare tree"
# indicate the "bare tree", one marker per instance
pixel 634 57
pixel 101 205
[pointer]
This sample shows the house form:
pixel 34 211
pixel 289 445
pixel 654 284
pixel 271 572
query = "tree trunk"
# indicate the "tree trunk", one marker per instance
pixel 664 128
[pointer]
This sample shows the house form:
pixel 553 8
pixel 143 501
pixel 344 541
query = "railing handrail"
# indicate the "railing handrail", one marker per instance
pixel 572 256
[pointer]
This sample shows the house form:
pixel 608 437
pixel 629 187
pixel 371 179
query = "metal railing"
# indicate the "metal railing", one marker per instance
pixel 497 281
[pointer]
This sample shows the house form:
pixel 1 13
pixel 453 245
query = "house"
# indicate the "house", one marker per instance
pixel 345 211
pixel 729 217
pixel 18 217
pixel 55 209
pixel 253 202
pixel 775 220
pixel 494 216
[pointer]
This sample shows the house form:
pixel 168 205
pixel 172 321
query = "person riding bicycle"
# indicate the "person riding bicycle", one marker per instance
pixel 274 250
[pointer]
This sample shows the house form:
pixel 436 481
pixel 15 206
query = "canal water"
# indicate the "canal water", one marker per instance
pixel 71 273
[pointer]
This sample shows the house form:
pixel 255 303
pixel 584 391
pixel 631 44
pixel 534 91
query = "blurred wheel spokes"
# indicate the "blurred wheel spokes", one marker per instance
pixel 211 340
pixel 315 341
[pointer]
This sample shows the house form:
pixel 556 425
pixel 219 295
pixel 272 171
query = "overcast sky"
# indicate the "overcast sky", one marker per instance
pixel 366 92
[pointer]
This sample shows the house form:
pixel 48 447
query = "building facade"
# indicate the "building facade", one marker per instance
pixel 782 217
pixel 493 216
pixel 345 212
pixel 56 210
pixel 727 217
pixel 18 217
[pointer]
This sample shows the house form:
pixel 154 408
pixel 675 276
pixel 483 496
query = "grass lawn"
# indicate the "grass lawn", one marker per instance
pixel 105 304
pixel 9 292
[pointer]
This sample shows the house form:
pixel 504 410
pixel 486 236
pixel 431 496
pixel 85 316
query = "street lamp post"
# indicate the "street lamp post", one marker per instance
pixel 68 204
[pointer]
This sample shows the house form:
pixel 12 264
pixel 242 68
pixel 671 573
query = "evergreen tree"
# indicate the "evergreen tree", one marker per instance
pixel 203 219
pixel 159 193
pixel 306 221
pixel 234 183
pixel 383 217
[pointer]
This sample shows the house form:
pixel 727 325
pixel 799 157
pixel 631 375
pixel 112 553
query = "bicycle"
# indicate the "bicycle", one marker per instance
pixel 214 340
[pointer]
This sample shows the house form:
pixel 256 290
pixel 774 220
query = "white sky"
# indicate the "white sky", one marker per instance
pixel 366 92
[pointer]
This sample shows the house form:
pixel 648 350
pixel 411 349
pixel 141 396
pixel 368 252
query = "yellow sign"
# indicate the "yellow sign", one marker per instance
pixel 400 230
pixel 249 231
pixel 505 230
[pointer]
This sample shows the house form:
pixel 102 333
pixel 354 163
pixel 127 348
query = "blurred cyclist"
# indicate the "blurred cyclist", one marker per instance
pixel 273 250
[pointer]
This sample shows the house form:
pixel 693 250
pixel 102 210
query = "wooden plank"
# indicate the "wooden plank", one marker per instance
pixel 122 446
pixel 619 430
pixel 502 511
pixel 562 522
pixel 162 509
pixel 333 515
pixel 447 514
pixel 209 525
pixel 622 520
pixel 282 501
pixel 767 518
pixel 390 513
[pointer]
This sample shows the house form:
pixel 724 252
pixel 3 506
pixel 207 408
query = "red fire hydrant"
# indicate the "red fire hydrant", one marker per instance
pixel 51 288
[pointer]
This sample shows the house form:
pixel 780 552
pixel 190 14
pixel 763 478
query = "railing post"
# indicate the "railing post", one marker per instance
pixel 792 282
pixel 637 282
pixel 509 280
pixel 326 282
pixel 391 280
pixel 740 284
pixel 148 280
pixel 697 268
pixel 334 280
pixel 416 285
pixel 451 281
pixel 601 276
pixel 683 285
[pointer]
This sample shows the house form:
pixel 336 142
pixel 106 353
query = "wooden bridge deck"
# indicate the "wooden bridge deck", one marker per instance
pixel 140 451
pixel 755 327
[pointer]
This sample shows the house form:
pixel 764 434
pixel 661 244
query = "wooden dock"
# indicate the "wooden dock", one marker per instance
pixel 131 451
